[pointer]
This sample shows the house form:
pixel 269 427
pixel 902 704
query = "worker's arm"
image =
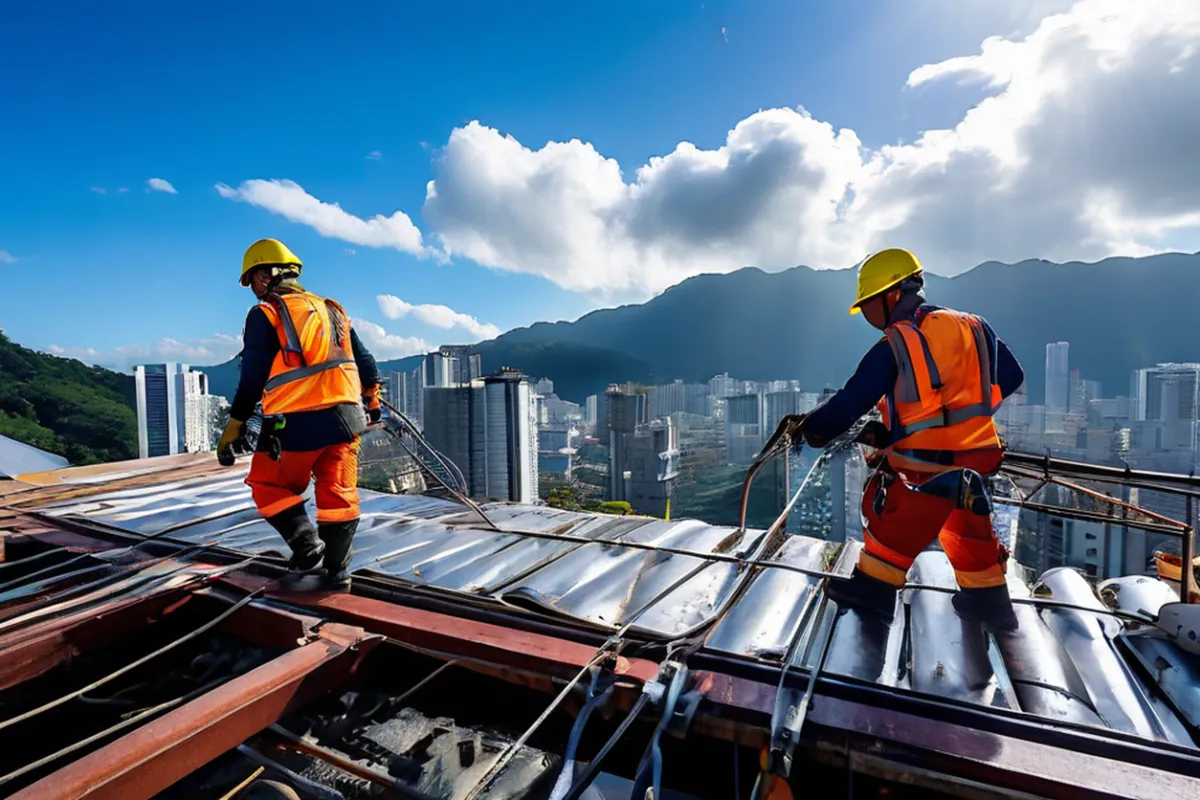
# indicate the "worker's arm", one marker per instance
pixel 368 375
pixel 874 378
pixel 1009 373
pixel 368 370
pixel 259 346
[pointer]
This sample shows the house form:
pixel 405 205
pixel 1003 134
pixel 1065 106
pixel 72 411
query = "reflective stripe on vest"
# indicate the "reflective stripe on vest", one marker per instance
pixel 922 397
pixel 313 368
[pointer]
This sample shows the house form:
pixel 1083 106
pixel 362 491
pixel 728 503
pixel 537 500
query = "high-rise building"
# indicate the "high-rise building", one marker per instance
pixel 488 428
pixel 722 386
pixel 626 411
pixel 205 414
pixel 1058 376
pixel 743 427
pixel 591 409
pixel 452 365
pixel 544 386
pixel 161 391
pixel 653 465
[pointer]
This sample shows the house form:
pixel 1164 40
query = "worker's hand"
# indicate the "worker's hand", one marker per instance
pixel 372 405
pixel 233 432
pixel 874 434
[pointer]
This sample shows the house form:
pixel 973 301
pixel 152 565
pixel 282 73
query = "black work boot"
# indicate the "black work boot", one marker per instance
pixel 990 607
pixel 863 592
pixel 301 536
pixel 338 537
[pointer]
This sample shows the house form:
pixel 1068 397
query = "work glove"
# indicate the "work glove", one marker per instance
pixel 789 429
pixel 372 405
pixel 229 437
pixel 874 434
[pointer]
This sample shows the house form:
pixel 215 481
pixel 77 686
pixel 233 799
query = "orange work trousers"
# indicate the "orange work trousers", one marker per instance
pixel 279 485
pixel 910 520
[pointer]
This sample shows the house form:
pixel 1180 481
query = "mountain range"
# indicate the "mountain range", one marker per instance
pixel 1118 315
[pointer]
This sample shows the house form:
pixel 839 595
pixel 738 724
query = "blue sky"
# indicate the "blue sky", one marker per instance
pixel 103 98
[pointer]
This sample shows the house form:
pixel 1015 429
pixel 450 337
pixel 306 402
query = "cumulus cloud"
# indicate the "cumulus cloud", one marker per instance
pixel 388 345
pixel 207 351
pixel 350 251
pixel 99 190
pixel 1082 148
pixel 159 185
pixel 289 200
pixel 374 155
pixel 7 257
pixel 438 316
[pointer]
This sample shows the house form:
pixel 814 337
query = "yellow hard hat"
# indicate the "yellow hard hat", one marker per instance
pixel 883 270
pixel 267 253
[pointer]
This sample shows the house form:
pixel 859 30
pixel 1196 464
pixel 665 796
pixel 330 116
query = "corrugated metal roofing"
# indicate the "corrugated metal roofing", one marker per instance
pixel 1063 664
pixel 17 458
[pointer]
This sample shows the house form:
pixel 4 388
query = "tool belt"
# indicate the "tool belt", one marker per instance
pixel 963 487
pixel 268 439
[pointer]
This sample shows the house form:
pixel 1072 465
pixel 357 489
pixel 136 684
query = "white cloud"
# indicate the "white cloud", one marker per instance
pixel 350 251
pixel 99 190
pixel 207 351
pixel 1084 147
pixel 123 190
pixel 374 155
pixel 159 185
pixel 384 345
pixel 7 257
pixel 438 316
pixel 289 200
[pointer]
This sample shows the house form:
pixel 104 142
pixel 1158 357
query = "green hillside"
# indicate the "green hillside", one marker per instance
pixel 84 414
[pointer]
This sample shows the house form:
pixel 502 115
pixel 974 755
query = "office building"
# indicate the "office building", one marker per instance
pixel 591 409
pixel 488 428
pixel 544 386
pixel 1082 393
pixel 452 365
pixel 162 392
pixel 722 386
pixel 1058 376
pixel 626 411
pixel 205 414
pixel 653 466
pixel 678 397
pixel 744 435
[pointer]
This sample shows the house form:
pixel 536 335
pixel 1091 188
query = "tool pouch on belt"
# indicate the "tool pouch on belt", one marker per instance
pixel 352 418
pixel 268 439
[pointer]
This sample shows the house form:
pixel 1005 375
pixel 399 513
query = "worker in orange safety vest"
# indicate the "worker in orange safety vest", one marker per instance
pixel 937 377
pixel 314 377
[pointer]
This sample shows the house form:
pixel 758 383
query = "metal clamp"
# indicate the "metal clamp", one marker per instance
pixel 678 709
pixel 599 693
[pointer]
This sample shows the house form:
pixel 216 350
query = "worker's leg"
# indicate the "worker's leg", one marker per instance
pixel 278 488
pixel 900 524
pixel 336 473
pixel 979 562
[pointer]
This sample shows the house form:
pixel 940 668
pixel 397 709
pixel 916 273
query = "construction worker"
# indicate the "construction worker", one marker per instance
pixel 937 376
pixel 302 360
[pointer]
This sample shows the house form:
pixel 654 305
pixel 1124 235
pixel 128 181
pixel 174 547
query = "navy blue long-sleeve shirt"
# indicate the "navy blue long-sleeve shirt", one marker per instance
pixel 876 378
pixel 305 430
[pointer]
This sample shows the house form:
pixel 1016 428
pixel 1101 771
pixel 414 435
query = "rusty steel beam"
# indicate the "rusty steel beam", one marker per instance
pixel 997 759
pixel 29 652
pixel 454 636
pixel 156 755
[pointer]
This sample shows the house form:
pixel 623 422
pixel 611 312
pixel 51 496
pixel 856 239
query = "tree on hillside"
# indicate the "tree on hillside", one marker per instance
pixel 60 405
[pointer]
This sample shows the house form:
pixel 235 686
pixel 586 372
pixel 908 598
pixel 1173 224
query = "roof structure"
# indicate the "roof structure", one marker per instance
pixel 1087 695
pixel 18 458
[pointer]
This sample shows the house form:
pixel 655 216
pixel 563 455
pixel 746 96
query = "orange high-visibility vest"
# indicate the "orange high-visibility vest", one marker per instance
pixel 314 367
pixel 946 390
